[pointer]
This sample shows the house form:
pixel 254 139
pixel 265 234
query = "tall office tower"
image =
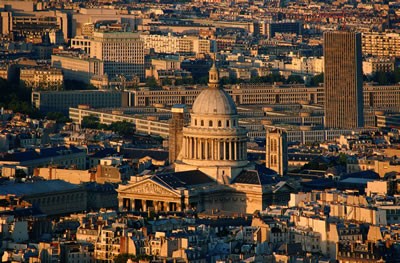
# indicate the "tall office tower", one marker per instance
pixel 121 53
pixel 343 80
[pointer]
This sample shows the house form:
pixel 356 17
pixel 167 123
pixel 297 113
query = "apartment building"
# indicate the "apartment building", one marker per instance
pixel 177 44
pixel 381 44
pixel 61 101
pixel 80 68
pixel 42 78
pixel 121 53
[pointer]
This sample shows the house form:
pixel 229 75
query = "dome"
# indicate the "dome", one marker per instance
pixel 214 102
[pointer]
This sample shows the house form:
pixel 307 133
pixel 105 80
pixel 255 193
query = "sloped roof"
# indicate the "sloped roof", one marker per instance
pixel 39 187
pixel 183 179
pixel 140 153
pixel 261 175
pixel 43 153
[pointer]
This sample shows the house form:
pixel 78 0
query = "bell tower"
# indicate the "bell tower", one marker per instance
pixel 213 77
pixel 276 157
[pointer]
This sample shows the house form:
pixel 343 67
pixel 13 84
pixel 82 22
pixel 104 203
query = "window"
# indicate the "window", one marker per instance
pixel 227 123
pixel 219 123
pixel 201 123
pixel 210 123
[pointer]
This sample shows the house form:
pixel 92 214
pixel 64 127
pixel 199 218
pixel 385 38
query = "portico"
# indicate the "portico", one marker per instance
pixel 146 195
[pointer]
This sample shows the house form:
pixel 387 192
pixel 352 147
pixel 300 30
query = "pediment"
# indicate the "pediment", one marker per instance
pixel 149 187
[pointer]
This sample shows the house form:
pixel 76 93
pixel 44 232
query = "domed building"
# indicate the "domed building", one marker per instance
pixel 212 172
pixel 214 143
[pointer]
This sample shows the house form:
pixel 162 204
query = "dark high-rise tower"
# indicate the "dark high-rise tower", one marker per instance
pixel 343 80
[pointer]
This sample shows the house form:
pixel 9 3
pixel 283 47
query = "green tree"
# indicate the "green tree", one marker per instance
pixel 342 160
pixel 58 117
pixel 317 79
pixel 381 78
pixel 152 83
pixel 295 79
pixel 166 82
pixel 90 122
pixel 123 128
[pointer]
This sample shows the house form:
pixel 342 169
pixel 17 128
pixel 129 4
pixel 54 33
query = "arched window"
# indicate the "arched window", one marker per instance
pixel 227 123
pixel 201 123
pixel 234 123
pixel 195 122
pixel 210 123
pixel 219 123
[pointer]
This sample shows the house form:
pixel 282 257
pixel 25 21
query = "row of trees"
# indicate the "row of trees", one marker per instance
pixel 152 82
pixel 385 78
pixel 123 128
pixel 16 97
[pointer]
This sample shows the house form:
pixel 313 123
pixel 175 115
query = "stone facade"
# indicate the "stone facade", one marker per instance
pixel 212 173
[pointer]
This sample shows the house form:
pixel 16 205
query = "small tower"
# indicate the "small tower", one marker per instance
pixel 175 131
pixel 213 77
pixel 276 157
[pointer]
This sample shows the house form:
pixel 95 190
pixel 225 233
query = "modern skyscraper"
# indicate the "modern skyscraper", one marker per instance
pixel 343 80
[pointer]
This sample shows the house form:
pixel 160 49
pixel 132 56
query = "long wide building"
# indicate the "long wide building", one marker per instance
pixel 375 96
pixel 385 98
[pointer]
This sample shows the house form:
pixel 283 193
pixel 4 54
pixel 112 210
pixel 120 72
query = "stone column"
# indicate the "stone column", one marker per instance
pixel 235 150
pixel 206 148
pixel 199 149
pixel 184 147
pixel 218 150
pixel 230 150
pixel 120 204
pixel 191 147
pixel 224 150
pixel 144 205
pixel 188 147
pixel 133 205
pixel 212 149
pixel 244 150
pixel 195 148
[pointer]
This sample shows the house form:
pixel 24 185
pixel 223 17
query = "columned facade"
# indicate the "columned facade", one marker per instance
pixel 214 149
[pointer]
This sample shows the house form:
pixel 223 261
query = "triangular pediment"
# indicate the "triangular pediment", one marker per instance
pixel 148 187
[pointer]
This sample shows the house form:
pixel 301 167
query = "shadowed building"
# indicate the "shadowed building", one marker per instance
pixel 175 131
pixel 343 80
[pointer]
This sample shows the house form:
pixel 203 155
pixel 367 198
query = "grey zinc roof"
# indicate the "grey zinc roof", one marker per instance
pixel 183 179
pixel 40 187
